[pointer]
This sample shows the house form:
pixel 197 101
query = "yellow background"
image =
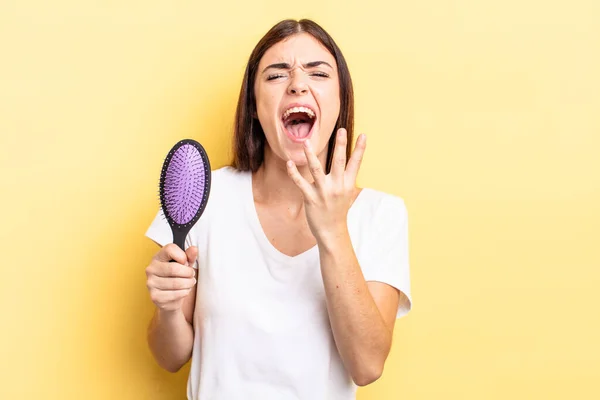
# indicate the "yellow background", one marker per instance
pixel 483 115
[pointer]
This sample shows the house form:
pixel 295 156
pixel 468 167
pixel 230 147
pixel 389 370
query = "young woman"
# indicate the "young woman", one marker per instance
pixel 293 277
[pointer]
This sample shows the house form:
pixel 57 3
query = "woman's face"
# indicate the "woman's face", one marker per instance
pixel 297 97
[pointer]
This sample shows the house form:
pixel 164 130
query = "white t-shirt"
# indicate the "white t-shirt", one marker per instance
pixel 261 329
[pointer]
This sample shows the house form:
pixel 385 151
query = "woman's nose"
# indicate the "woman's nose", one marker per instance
pixel 297 86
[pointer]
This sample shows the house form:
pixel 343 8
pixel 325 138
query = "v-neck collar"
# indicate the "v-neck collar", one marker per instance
pixel 264 241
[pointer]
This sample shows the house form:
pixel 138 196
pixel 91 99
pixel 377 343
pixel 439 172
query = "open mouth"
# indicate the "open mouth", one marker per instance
pixel 298 122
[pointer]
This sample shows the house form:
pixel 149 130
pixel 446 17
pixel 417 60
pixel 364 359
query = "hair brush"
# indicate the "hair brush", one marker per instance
pixel 184 187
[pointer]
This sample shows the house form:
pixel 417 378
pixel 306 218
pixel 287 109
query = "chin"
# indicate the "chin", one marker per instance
pixel 294 153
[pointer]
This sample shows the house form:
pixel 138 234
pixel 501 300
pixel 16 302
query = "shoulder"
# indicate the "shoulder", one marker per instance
pixel 227 187
pixel 227 175
pixel 225 180
pixel 381 207
pixel 377 213
pixel 227 192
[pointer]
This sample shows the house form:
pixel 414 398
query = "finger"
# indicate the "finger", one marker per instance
pixel 157 282
pixel 172 252
pixel 356 158
pixel 164 297
pixel 192 254
pixel 314 165
pixel 173 270
pixel 339 153
pixel 298 179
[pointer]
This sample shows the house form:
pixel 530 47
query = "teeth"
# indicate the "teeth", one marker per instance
pixel 305 110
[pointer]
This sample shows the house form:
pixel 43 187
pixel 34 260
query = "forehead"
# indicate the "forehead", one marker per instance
pixel 299 48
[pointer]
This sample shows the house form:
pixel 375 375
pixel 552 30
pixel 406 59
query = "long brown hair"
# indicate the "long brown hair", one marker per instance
pixel 249 138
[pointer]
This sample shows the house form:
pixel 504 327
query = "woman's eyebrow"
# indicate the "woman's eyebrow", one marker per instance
pixel 311 64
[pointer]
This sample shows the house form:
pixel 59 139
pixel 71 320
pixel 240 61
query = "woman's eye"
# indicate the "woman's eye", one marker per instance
pixel 274 76
pixel 321 74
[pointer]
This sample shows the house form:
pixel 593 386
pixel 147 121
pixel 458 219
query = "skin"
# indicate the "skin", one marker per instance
pixel 276 88
pixel 172 288
pixel 299 206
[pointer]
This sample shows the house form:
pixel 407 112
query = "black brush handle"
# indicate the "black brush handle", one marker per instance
pixel 179 235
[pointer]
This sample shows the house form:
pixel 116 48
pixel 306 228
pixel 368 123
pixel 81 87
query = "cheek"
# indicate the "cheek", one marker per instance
pixel 266 103
pixel 329 103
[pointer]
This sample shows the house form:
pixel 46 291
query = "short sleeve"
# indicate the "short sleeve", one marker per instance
pixel 160 231
pixel 386 257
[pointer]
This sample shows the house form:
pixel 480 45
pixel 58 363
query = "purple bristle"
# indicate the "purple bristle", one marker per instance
pixel 184 184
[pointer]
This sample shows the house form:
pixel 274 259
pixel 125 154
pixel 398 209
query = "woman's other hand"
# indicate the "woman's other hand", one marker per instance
pixel 328 199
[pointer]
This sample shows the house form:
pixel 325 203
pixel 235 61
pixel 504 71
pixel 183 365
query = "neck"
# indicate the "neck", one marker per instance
pixel 272 184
